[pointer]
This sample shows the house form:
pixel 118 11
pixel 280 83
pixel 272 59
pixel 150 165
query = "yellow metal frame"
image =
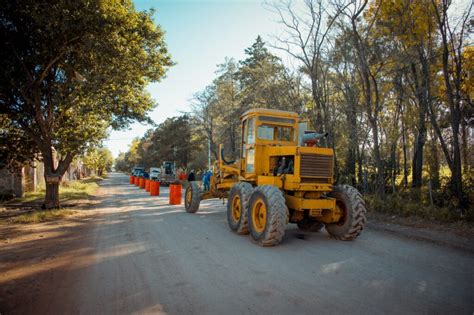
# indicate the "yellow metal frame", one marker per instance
pixel 225 176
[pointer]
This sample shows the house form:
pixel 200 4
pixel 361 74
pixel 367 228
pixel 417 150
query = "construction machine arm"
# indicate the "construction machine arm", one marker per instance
pixel 222 157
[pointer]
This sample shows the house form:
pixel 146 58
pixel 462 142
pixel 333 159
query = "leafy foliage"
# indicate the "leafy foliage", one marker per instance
pixel 71 69
pixel 170 141
pixel 98 159
pixel 391 81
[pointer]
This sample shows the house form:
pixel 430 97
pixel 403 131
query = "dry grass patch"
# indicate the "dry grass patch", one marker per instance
pixel 79 189
pixel 40 216
pixel 26 210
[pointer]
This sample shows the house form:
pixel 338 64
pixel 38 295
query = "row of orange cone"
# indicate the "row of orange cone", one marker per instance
pixel 153 187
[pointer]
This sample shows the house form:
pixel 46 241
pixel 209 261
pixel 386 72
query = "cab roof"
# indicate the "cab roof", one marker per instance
pixel 269 112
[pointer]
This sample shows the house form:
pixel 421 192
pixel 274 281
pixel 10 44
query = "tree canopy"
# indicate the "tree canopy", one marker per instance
pixel 98 159
pixel 391 81
pixel 72 69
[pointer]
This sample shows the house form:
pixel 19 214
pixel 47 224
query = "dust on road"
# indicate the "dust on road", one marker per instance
pixel 137 254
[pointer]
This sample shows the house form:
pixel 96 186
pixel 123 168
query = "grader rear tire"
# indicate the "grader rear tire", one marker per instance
pixel 192 197
pixel 350 202
pixel 268 215
pixel 237 207
pixel 309 225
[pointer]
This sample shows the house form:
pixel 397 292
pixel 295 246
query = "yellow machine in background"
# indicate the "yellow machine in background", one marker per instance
pixel 281 177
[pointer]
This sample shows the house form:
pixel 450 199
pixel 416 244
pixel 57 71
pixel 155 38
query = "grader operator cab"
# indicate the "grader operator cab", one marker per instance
pixel 281 177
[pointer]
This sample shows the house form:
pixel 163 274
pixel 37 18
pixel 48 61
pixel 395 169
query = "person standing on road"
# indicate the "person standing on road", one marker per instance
pixel 191 176
pixel 206 180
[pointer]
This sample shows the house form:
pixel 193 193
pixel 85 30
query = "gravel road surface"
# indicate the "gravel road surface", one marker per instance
pixel 141 255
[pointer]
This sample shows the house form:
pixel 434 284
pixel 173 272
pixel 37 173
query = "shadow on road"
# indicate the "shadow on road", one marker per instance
pixel 135 253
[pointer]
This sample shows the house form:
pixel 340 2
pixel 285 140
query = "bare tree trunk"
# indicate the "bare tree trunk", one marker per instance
pixel 434 165
pixel 351 120
pixel 51 198
pixel 52 176
pixel 405 162
pixel 456 181
pixel 371 95
pixel 452 62
pixel 360 166
pixel 317 112
pixel 422 95
pixel 211 139
pixel 380 181
pixel 393 164
pixel 464 147
pixel 417 165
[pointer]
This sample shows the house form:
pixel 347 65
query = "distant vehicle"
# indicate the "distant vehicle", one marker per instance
pixel 168 173
pixel 155 173
pixel 137 170
pixel 142 174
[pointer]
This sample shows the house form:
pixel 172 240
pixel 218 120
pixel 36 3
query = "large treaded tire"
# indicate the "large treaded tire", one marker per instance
pixel 243 190
pixel 195 190
pixel 350 201
pixel 309 225
pixel 276 215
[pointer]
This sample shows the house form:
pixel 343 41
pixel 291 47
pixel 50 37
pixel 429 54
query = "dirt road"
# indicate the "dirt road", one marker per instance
pixel 137 254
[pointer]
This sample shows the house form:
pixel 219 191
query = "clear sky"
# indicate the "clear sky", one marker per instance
pixel 199 35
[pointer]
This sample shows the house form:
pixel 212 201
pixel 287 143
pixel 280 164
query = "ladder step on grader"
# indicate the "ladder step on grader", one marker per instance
pixel 282 177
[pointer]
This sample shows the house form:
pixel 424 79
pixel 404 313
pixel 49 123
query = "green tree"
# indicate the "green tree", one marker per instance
pixel 171 141
pixel 132 157
pixel 409 25
pixel 345 80
pixel 228 103
pixel 265 81
pixel 16 148
pixel 204 113
pixel 98 159
pixel 453 37
pixel 120 163
pixel 259 80
pixel 369 53
pixel 71 69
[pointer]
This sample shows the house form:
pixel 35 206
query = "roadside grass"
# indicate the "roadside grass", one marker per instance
pixel 68 191
pixel 40 216
pixel 79 189
pixel 440 205
pixel 404 204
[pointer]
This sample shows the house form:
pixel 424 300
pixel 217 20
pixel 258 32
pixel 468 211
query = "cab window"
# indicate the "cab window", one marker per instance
pixel 251 131
pixel 250 162
pixel 275 133
pixel 265 132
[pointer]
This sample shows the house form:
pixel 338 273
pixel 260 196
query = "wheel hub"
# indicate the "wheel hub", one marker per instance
pixel 236 208
pixel 341 207
pixel 189 196
pixel 259 216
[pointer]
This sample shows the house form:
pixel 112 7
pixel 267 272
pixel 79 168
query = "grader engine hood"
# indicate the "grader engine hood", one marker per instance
pixel 316 165
pixel 298 168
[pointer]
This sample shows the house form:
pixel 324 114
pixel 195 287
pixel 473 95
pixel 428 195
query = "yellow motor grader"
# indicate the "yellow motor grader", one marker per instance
pixel 282 177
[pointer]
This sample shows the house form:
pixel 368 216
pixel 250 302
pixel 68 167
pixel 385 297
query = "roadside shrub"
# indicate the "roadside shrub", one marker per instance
pixel 407 204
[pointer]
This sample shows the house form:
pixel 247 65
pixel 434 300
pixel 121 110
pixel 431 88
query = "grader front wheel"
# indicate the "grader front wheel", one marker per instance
pixel 237 207
pixel 192 197
pixel 268 215
pixel 350 203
